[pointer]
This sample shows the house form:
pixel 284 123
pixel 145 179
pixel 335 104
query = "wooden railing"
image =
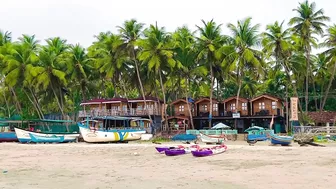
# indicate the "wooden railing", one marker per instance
pixel 129 112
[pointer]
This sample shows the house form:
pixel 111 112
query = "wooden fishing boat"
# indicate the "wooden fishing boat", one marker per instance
pixel 92 135
pixel 24 136
pixel 209 151
pixel 46 139
pixel 282 140
pixel 212 138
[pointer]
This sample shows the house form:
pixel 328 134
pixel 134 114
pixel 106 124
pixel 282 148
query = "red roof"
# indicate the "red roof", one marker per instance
pixel 148 98
pixel 94 101
pixel 115 100
pixel 178 100
pixel 322 117
pixel 206 99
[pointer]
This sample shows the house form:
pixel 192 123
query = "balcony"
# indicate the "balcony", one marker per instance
pixel 130 112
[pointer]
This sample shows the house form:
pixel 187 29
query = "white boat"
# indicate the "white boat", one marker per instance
pixel 96 136
pixel 212 139
pixel 24 137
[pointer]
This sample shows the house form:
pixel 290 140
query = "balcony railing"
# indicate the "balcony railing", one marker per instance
pixel 129 112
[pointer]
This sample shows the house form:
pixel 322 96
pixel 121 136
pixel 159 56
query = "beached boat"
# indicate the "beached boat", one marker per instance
pixel 92 135
pixel 212 138
pixel 46 139
pixel 282 140
pixel 180 151
pixel 209 151
pixel 255 134
pixel 24 135
pixel 7 133
pixel 184 137
pixel 8 136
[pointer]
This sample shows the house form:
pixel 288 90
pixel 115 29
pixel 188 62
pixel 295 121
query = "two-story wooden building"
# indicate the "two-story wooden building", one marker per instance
pixel 179 118
pixel 249 112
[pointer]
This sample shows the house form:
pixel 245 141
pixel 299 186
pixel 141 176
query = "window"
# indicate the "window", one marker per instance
pixel 124 107
pixel 204 107
pixel 244 106
pixel 139 107
pixel 181 108
pixel 274 105
pixel 233 106
pixel 215 107
pixel 261 105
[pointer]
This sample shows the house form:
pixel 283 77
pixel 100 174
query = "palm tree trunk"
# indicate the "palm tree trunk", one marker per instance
pixel 7 105
pixel 17 103
pixel 37 103
pixel 61 98
pixel 57 100
pixel 38 112
pixel 211 91
pixel 189 109
pixel 307 78
pixel 237 99
pixel 164 101
pixel 83 92
pixel 141 86
pixel 328 87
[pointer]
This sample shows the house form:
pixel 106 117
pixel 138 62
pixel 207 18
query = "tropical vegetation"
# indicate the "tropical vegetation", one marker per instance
pixel 289 58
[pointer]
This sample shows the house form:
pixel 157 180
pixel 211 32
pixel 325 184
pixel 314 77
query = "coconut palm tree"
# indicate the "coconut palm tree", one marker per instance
pixel 306 24
pixel 241 54
pixel 156 52
pixel 50 71
pixel 130 33
pixel 209 42
pixel 330 53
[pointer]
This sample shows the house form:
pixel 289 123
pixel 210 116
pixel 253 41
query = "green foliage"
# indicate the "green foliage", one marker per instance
pixel 37 79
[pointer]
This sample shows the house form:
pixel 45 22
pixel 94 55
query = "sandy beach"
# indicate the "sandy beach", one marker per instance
pixel 100 166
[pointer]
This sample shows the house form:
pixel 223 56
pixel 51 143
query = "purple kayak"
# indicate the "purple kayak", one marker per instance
pixel 174 152
pixel 209 151
pixel 162 149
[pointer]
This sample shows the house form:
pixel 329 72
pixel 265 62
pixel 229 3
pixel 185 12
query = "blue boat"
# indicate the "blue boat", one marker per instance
pixel 256 133
pixel 184 137
pixel 282 140
pixel 7 133
pixel 46 139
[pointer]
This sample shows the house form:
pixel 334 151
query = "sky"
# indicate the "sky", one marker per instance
pixel 78 21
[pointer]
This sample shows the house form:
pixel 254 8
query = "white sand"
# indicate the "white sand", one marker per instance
pixel 115 166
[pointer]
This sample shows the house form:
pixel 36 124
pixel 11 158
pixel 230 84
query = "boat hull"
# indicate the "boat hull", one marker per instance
pixel 93 136
pixel 44 139
pixel 209 151
pixel 282 140
pixel 211 139
pixel 8 137
pixel 24 137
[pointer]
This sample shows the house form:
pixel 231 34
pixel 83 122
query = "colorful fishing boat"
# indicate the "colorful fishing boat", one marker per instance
pixel 46 139
pixel 93 135
pixel 47 128
pixel 209 151
pixel 255 134
pixel 184 137
pixel 212 139
pixel 282 140
pixel 181 150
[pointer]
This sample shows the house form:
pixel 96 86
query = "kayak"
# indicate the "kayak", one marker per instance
pixel 209 151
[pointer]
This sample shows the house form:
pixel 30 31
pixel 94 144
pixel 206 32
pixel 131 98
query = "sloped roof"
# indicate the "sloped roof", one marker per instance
pixel 94 101
pixel 266 96
pixel 235 97
pixel 148 98
pixel 206 99
pixel 114 100
pixel 178 100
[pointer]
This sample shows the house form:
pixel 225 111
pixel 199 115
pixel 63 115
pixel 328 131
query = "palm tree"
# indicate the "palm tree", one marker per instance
pixel 79 67
pixel 308 22
pixel 108 57
pixel 241 55
pixel 50 71
pixel 330 53
pixel 209 43
pixel 156 51
pixel 130 33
